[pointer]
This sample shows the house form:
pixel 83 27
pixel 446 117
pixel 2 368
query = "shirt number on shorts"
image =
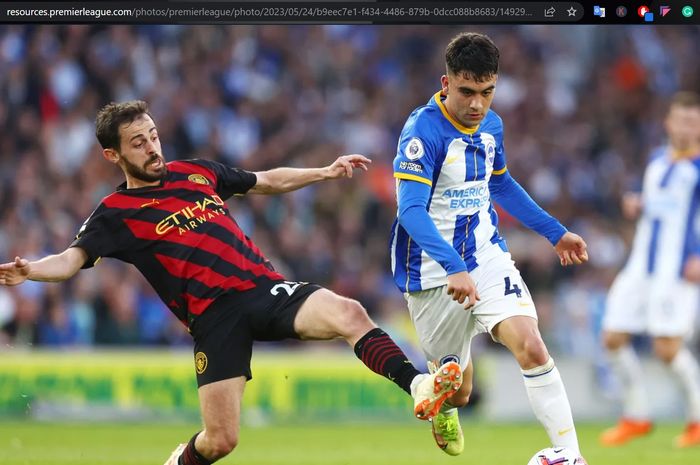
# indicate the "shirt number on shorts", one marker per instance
pixel 288 286
pixel 514 289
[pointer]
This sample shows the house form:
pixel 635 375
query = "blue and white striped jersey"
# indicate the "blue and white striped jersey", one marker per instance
pixel 457 163
pixel 668 230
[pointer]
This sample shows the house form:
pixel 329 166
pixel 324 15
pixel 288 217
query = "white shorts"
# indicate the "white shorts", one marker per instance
pixel 640 304
pixel 445 329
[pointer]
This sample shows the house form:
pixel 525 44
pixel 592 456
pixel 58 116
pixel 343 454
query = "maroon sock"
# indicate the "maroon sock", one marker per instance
pixel 190 456
pixel 381 355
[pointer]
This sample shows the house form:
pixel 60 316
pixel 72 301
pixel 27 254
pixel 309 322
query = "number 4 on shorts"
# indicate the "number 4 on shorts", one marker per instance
pixel 514 289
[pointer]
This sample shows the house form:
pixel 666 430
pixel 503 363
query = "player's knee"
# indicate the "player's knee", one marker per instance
pixel 614 341
pixel 665 352
pixel 533 352
pixel 222 444
pixel 351 317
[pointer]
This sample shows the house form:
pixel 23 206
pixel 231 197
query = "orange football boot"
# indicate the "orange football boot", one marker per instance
pixel 690 437
pixel 626 430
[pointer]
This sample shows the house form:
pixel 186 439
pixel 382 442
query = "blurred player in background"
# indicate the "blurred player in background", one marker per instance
pixel 171 222
pixel 657 291
pixel 447 255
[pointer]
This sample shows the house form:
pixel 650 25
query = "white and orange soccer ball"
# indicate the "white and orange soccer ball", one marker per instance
pixel 556 456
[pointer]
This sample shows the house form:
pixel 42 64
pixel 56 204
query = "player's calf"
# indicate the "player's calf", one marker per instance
pixel 380 353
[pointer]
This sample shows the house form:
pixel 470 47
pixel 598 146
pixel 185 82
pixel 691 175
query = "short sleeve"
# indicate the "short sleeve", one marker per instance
pixel 96 237
pixel 416 151
pixel 229 180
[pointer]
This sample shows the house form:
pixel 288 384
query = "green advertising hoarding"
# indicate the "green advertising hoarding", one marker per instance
pixel 301 385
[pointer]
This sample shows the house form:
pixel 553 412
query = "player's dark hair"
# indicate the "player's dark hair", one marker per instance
pixel 685 99
pixel 473 55
pixel 113 115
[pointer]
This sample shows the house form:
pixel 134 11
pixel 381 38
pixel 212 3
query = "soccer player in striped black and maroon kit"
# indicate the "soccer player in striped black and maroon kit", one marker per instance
pixel 170 221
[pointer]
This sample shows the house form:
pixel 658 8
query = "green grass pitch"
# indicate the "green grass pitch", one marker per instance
pixel 28 443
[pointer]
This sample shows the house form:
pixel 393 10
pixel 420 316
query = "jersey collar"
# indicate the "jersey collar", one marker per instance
pixel 677 155
pixel 461 128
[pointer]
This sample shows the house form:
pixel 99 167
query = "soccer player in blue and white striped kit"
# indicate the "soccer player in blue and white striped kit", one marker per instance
pixel 447 254
pixel 657 291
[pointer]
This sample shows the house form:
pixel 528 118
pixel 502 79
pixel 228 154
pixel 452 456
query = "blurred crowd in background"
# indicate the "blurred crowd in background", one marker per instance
pixel 582 107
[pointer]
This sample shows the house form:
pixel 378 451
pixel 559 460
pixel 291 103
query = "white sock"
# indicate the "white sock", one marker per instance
pixel 686 369
pixel 625 364
pixel 415 382
pixel 547 395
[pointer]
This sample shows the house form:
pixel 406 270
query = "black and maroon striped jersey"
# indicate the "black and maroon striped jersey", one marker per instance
pixel 180 235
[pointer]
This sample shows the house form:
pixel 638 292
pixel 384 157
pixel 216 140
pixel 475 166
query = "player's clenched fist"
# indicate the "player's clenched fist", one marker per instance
pixel 462 289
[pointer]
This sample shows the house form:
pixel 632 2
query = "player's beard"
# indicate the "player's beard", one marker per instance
pixel 142 174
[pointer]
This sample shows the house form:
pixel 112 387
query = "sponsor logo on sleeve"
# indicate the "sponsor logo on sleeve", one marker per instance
pixel 414 149
pixel 408 166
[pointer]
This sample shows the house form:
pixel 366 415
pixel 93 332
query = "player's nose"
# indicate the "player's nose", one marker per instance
pixel 151 148
pixel 476 104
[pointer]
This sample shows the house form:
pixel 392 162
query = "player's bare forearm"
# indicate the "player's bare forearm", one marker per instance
pixel 280 180
pixel 58 267
pixel 52 268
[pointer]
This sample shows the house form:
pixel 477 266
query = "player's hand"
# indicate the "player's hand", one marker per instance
pixel 462 289
pixel 691 269
pixel 14 273
pixel 631 205
pixel 571 249
pixel 344 166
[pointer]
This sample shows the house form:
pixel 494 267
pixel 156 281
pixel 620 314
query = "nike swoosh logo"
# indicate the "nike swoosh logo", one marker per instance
pixel 524 304
pixel 564 431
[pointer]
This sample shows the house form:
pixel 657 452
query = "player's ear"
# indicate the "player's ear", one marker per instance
pixel 444 80
pixel 111 155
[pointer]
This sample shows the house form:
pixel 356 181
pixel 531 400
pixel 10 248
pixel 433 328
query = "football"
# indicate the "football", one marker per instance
pixel 556 456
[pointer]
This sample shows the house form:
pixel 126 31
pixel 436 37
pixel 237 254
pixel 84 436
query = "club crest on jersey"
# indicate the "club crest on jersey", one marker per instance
pixel 414 149
pixel 490 149
pixel 198 179
pixel 200 362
